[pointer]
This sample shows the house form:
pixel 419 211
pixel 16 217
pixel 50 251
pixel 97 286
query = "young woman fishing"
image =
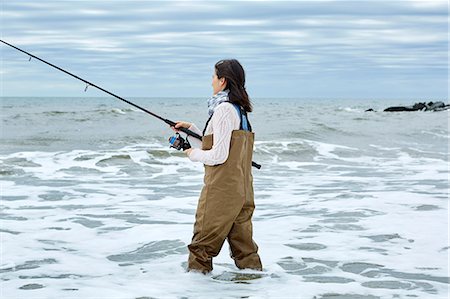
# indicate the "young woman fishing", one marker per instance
pixel 225 207
pixel 226 204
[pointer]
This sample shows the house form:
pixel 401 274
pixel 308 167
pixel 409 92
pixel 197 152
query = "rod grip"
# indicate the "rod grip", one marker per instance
pixel 190 133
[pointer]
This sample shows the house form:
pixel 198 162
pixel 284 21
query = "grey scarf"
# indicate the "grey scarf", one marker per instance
pixel 215 100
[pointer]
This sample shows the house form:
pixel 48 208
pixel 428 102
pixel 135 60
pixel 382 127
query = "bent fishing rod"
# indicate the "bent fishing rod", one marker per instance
pixel 176 142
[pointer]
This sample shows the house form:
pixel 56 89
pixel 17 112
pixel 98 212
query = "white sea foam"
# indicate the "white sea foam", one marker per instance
pixel 115 223
pixel 440 135
pixel 118 111
pixel 350 109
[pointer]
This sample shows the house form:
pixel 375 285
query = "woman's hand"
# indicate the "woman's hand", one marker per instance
pixel 188 151
pixel 181 124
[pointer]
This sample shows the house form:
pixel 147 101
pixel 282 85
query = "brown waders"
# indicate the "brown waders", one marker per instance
pixel 225 208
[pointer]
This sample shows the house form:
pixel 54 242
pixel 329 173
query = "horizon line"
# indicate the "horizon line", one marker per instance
pixel 205 97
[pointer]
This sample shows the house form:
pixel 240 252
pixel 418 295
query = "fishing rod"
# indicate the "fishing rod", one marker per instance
pixel 176 142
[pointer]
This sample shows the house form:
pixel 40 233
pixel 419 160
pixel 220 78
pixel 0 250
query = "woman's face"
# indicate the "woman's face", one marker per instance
pixel 217 84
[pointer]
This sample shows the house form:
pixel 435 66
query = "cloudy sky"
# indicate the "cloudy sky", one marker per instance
pixel 305 49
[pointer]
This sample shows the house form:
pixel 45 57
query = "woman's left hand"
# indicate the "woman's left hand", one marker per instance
pixel 188 151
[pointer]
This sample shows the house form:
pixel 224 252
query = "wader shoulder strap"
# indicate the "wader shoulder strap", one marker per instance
pixel 207 122
pixel 245 124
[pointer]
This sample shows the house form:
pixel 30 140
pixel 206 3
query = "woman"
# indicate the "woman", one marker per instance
pixel 226 205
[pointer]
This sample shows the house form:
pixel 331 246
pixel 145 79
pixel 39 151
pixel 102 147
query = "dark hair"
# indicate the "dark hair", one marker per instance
pixel 233 72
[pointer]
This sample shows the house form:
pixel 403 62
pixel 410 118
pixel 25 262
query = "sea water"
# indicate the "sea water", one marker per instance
pixel 349 204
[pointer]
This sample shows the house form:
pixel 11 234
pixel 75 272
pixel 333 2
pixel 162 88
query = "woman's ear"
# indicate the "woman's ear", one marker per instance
pixel 223 81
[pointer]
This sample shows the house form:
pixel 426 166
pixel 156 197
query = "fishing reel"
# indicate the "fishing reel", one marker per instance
pixel 179 143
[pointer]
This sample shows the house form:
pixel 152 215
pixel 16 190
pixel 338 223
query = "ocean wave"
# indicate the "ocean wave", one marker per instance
pixel 57 113
pixel 64 113
pixel 439 134
pixel 157 158
pixel 119 111
pixel 350 109
pixel 122 159
pixel 141 159
pixel 319 130
pixel 113 111
pixel 8 171
pixel 302 151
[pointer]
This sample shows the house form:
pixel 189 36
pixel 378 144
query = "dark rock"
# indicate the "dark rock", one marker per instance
pixel 431 106
pixel 400 108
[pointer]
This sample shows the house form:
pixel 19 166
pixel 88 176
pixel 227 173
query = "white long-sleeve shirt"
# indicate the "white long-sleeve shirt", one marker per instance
pixel 224 120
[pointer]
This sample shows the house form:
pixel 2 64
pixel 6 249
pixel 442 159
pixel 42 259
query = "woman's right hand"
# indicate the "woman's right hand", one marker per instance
pixel 181 124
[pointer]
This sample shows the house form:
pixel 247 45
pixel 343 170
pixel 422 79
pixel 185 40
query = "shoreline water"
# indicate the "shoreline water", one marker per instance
pixel 348 203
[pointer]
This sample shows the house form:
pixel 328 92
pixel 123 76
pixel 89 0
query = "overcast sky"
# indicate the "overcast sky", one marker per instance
pixel 305 49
